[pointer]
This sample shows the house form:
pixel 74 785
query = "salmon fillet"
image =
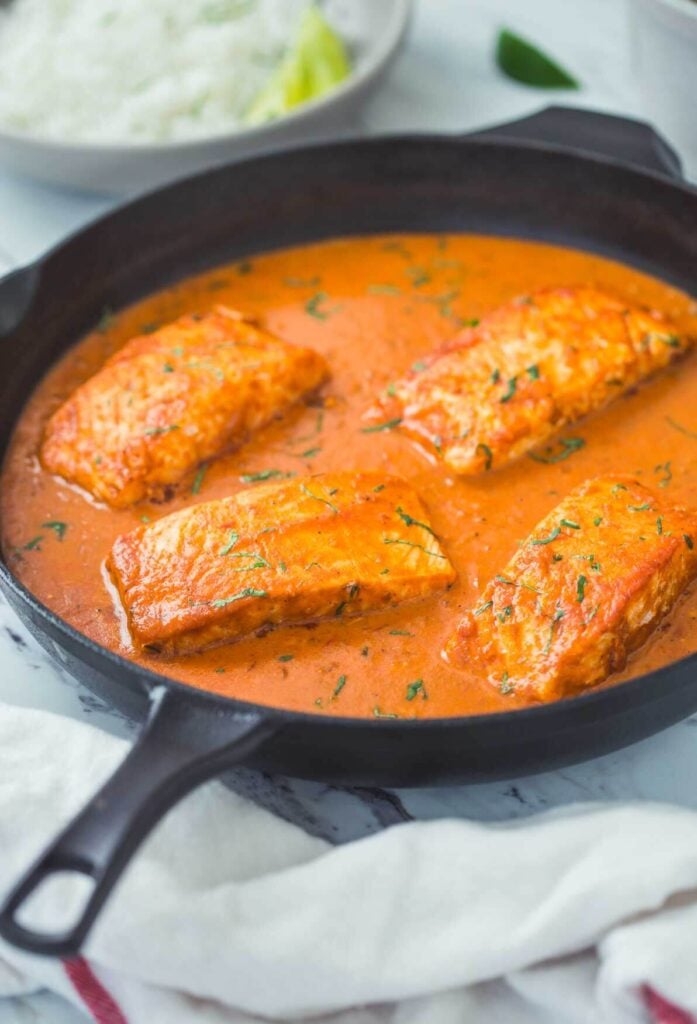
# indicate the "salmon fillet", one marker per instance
pixel 170 400
pixel 502 387
pixel 290 552
pixel 584 590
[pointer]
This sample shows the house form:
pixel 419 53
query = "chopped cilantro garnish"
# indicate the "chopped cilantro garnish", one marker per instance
pixel 581 588
pixel 571 525
pixel 505 686
pixel 569 445
pixel 410 521
pixel 548 540
pixel 341 683
pixel 265 474
pixel 58 528
pixel 639 508
pixel 286 657
pixel 388 425
pixel 411 544
pixel 485 607
pixel 415 688
pixel 198 479
pixel 688 541
pixel 227 548
pixel 487 453
pixel 317 497
pixel 510 390
pixel 247 592
pixel 377 713
pixel 156 431
pixel 533 372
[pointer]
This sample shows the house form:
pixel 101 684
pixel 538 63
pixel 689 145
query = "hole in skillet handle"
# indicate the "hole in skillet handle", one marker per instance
pixel 634 143
pixel 184 742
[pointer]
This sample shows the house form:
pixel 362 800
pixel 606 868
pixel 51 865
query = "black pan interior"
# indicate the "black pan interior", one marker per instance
pixel 428 184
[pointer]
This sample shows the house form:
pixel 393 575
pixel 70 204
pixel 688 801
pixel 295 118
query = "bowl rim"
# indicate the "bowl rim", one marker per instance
pixel 684 7
pixel 381 55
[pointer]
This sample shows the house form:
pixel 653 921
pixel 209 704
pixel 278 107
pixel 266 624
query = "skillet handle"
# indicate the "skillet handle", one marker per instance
pixel 588 131
pixel 183 743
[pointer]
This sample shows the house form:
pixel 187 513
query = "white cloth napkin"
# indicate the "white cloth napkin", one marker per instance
pixel 228 914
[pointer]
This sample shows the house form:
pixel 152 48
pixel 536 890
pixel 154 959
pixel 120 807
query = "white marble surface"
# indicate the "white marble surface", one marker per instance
pixel 444 81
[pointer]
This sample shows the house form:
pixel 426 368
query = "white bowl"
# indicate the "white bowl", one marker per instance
pixel 373 31
pixel 664 53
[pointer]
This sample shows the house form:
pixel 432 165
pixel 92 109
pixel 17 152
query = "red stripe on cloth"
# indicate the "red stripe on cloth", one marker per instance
pixel 93 994
pixel 663 1012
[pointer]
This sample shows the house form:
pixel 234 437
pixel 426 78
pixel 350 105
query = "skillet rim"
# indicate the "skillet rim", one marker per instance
pixel 148 679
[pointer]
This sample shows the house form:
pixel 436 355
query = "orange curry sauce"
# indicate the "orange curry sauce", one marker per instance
pixel 373 306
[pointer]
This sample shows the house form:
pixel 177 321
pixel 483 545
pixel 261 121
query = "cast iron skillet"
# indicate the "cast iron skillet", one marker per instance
pixel 533 179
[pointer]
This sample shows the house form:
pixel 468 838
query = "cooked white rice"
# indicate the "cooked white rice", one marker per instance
pixel 137 70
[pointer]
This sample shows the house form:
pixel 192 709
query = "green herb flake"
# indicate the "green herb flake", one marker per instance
pixel 317 497
pixel 157 431
pixel 664 468
pixel 506 686
pixel 419 366
pixel 533 372
pixel 198 479
pixel 483 608
pixel 659 525
pixel 513 583
pixel 410 521
pixel 688 541
pixel 597 521
pixel 388 425
pixel 106 320
pixel 506 613
pixel 671 340
pixel 286 657
pixel 548 456
pixel 510 390
pixel 487 453
pixel 496 376
pixel 619 487
pixel 341 683
pixel 377 713
pixel 34 543
pixel 680 428
pixel 411 544
pixel 415 688
pixel 557 557
pixel 365 651
pixel 240 596
pixel 547 540
pixel 570 524
pixel 265 474
pixel 313 304
pixel 418 275
pixel 639 508
pixel 232 540
pixel 59 528
pixel 168 368
pixel 400 632
pixel 380 487
pixel 581 588
pixel 524 62
pixel 219 671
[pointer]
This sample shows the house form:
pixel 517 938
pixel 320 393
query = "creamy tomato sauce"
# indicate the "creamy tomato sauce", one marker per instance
pixel 373 306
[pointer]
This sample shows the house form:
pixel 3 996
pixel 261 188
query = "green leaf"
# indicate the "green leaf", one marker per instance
pixel 315 64
pixel 524 63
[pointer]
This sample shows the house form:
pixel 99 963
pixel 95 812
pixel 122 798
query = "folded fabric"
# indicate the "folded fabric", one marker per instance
pixel 228 914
